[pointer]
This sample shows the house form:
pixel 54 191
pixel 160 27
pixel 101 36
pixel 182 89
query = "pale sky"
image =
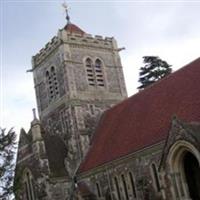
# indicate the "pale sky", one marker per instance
pixel 168 29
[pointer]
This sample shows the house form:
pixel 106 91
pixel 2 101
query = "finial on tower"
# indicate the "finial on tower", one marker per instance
pixel 34 114
pixel 35 120
pixel 65 6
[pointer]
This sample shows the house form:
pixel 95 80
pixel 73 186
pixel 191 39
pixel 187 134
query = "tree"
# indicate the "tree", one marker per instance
pixel 7 153
pixel 153 70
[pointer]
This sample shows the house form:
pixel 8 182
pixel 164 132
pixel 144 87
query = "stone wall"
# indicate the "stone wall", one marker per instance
pixel 69 108
pixel 138 165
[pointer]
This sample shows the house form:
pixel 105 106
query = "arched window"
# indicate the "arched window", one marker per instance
pixel 125 187
pixel 90 72
pixel 98 190
pixel 132 185
pixel 99 73
pixel 52 84
pixel 117 188
pixel 29 187
pixel 155 177
pixel 94 72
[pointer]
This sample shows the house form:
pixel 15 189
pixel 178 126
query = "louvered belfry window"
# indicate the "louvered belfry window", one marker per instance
pixel 90 72
pixel 52 84
pixel 94 72
pixel 99 73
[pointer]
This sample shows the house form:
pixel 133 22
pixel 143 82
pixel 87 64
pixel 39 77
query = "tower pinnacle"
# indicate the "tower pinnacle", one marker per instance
pixel 65 6
pixel 35 120
pixel 34 114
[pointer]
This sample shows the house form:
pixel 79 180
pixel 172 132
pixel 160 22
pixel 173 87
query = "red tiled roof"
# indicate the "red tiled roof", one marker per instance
pixel 72 28
pixel 145 118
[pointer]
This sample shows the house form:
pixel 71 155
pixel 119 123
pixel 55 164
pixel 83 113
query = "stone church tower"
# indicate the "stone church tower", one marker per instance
pixel 76 78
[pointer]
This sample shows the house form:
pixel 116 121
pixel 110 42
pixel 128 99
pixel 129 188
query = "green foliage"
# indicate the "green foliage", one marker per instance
pixel 17 185
pixel 7 153
pixel 153 70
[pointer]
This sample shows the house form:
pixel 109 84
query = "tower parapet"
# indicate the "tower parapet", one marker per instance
pixel 44 52
pixel 75 39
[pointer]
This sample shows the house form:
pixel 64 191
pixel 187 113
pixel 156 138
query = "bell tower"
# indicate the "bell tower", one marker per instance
pixel 76 77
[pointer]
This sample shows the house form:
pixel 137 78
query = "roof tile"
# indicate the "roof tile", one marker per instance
pixel 145 118
pixel 72 28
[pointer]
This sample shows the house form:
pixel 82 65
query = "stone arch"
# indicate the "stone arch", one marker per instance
pixel 84 58
pixel 176 160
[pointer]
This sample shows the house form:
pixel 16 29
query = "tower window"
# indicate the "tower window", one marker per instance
pixel 90 73
pixel 94 72
pixel 52 84
pixel 98 64
pixel 99 72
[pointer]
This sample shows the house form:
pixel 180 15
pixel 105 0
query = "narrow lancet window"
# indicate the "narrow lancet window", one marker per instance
pixel 55 82
pixel 52 84
pixel 98 190
pixel 28 181
pixel 94 72
pixel 99 73
pixel 155 177
pixel 90 72
pixel 125 187
pixel 132 185
pixel 117 188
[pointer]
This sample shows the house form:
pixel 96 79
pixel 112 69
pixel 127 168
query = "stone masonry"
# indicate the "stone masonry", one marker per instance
pixel 71 96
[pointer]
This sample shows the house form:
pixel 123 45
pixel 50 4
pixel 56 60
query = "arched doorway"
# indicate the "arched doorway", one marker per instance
pixel 192 175
pixel 184 169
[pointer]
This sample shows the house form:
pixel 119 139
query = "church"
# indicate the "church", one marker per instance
pixel 92 142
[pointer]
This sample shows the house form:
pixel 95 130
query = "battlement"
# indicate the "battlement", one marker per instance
pixel 49 47
pixel 87 40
